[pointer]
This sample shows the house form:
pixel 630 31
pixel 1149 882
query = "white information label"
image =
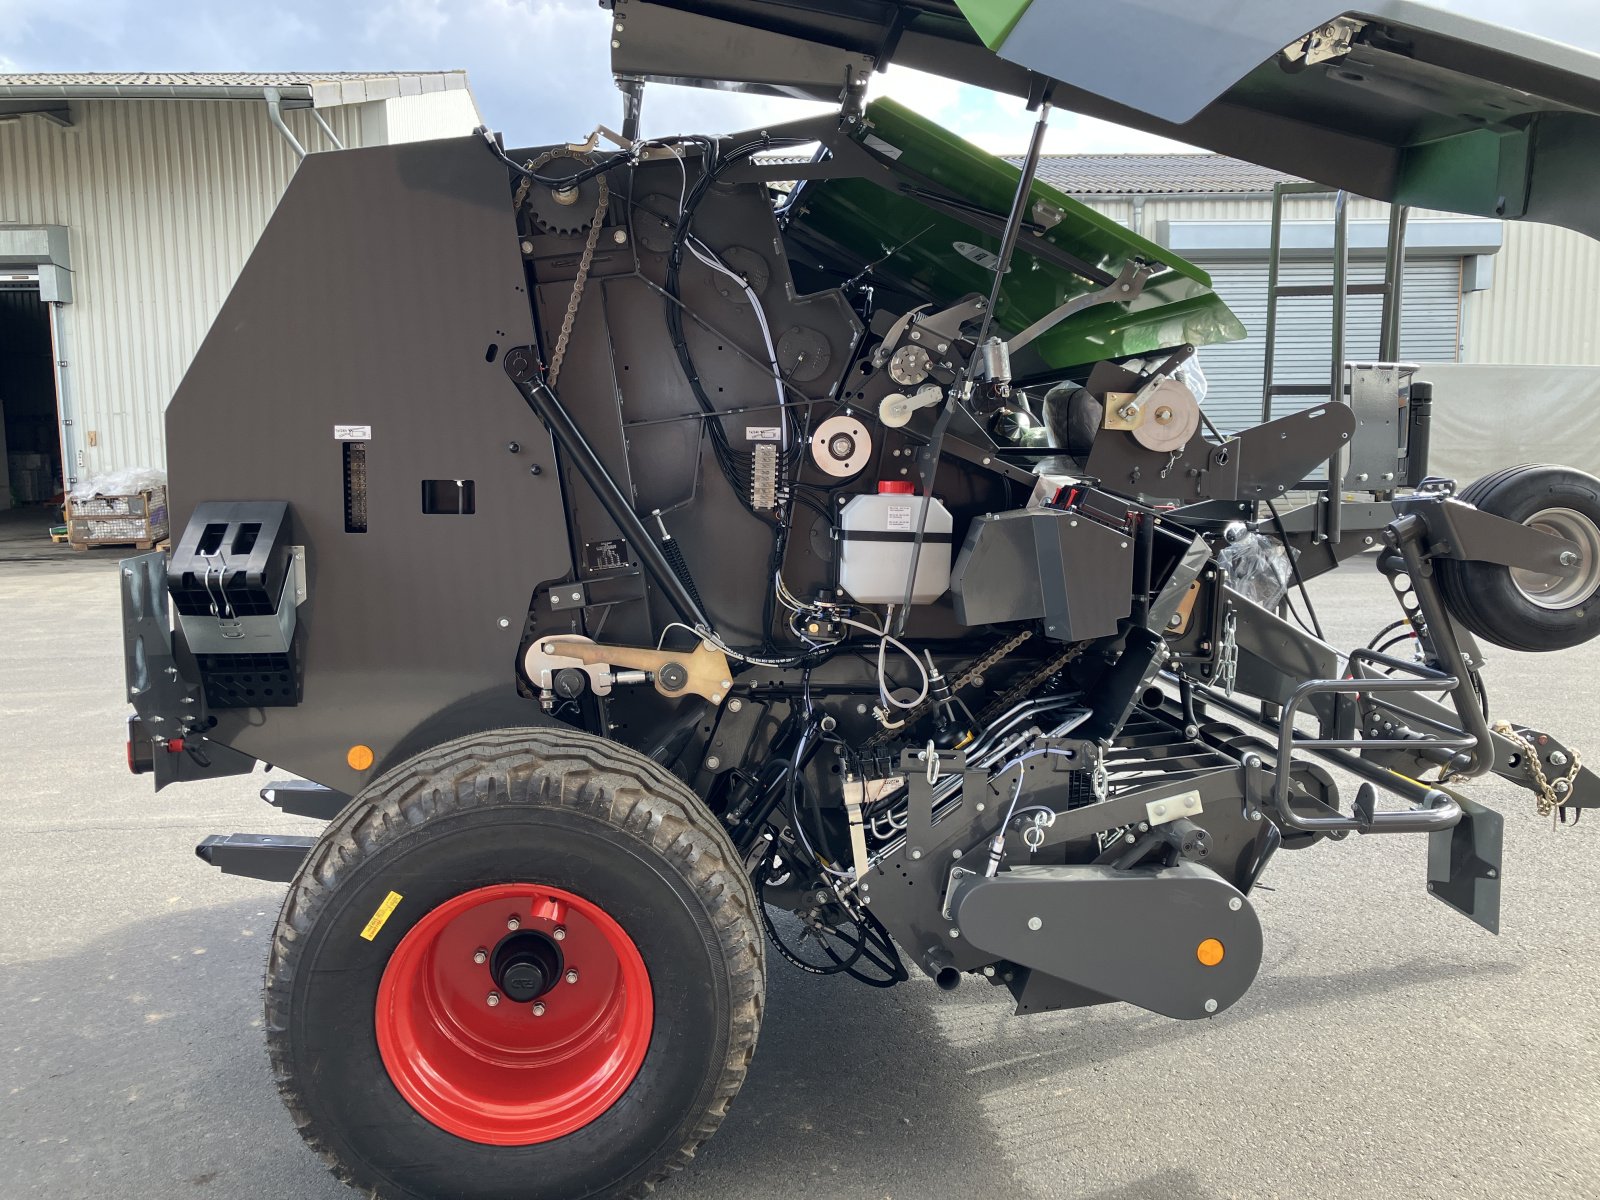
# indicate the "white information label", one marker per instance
pixel 873 142
pixel 899 519
pixel 352 433
pixel 763 433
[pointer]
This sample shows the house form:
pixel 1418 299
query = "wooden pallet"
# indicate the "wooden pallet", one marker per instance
pixel 148 544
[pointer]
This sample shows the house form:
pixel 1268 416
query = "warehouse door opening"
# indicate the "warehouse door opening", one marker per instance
pixel 31 429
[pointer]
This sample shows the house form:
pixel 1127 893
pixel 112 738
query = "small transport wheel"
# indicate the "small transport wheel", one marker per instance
pixel 1529 610
pixel 524 964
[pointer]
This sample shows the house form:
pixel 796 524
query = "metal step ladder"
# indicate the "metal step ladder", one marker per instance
pixel 1340 384
pixel 1340 289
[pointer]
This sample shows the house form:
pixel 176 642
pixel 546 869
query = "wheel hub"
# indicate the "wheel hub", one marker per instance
pixel 1582 581
pixel 523 1043
pixel 526 965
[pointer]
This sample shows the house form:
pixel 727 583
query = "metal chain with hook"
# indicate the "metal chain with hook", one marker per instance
pixel 1549 795
pixel 580 278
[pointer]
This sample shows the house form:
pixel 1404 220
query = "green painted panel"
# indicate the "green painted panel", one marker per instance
pixel 946 258
pixel 1479 171
pixel 993 19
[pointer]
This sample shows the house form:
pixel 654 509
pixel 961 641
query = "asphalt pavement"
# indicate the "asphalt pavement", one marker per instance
pixel 1388 1048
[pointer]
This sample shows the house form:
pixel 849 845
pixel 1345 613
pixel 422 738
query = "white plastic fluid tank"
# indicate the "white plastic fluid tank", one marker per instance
pixel 876 534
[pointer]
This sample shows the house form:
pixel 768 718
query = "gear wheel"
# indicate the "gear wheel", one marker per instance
pixel 569 213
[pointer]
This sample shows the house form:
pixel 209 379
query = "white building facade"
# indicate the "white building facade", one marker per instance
pixel 128 205
pixel 1477 294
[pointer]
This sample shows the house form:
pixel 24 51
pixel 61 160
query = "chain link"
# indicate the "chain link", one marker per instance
pixel 581 278
pixel 1549 799
pixel 1023 688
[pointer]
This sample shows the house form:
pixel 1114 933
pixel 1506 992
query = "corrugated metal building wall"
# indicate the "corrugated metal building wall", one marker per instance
pixel 1430 332
pixel 164 200
pixel 1544 307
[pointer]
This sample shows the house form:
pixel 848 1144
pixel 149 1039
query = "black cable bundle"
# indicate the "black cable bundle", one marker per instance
pixel 736 465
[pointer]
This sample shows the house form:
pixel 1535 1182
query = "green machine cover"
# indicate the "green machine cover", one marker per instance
pixel 936 255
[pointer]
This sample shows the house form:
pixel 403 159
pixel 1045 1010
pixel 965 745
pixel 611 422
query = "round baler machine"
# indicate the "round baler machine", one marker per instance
pixel 811 539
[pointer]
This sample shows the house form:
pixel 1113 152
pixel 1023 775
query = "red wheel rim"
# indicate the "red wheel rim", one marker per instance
pixel 491 1070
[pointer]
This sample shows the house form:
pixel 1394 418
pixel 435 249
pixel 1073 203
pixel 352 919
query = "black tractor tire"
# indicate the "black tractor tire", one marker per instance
pixel 614 832
pixel 1503 606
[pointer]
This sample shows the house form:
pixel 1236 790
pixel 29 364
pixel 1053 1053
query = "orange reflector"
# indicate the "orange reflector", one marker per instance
pixel 1209 952
pixel 359 757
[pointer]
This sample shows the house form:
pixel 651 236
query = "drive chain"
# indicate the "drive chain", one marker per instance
pixel 1020 690
pixel 581 278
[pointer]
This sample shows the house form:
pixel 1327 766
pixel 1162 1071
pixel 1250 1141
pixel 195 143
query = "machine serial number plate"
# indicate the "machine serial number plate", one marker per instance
pixel 605 556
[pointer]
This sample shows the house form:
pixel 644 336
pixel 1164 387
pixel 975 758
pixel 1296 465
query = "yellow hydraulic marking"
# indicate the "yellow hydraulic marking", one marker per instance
pixel 375 925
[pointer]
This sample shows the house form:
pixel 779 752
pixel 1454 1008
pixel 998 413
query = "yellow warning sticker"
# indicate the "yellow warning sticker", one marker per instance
pixel 375 926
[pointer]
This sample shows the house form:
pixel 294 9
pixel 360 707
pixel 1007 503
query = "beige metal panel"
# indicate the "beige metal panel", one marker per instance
pixel 1118 210
pixel 163 201
pixel 430 115
pixel 1544 305
pixel 1235 208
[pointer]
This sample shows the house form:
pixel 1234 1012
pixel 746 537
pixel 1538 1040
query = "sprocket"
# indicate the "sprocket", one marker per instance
pixel 564 213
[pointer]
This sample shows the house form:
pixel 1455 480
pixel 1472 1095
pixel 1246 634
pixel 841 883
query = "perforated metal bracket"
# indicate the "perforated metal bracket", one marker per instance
pixel 924 769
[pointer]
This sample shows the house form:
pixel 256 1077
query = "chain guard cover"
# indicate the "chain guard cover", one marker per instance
pixel 1131 935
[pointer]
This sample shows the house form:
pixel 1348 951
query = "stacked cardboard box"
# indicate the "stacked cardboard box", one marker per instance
pixel 31 481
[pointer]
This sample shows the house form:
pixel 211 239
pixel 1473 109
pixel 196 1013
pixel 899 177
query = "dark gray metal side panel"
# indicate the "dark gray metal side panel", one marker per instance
pixel 1029 564
pixel 373 298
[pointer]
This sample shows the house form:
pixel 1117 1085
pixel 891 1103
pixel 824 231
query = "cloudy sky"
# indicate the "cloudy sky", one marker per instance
pixel 538 67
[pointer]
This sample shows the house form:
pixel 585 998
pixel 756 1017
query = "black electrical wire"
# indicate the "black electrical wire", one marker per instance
pixel 736 465
pixel 1395 641
pixel 1403 622
pixel 795 787
pixel 1294 568
pixel 558 182
pixel 1288 602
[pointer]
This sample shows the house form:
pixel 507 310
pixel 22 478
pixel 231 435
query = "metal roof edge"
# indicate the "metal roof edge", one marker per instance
pixel 332 92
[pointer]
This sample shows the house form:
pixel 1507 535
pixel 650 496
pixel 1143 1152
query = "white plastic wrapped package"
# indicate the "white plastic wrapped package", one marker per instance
pixel 1258 569
pixel 127 482
pixel 1192 377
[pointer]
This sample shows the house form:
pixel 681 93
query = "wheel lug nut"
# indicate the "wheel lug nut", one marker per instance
pixel 494 998
pixel 572 976
pixel 480 956
pixel 560 934
pixel 513 922
pixel 538 1009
